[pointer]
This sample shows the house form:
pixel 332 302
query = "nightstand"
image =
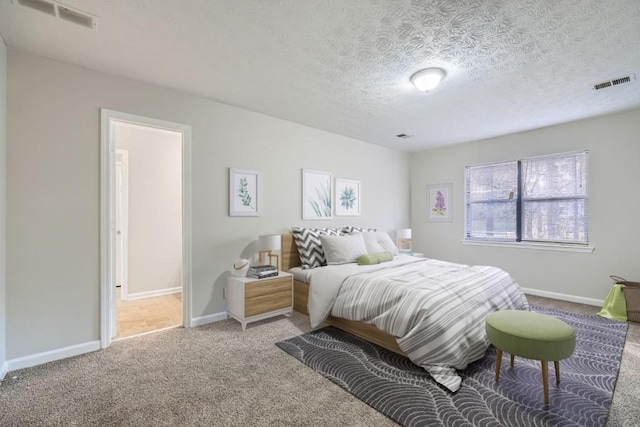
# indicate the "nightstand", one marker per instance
pixel 411 253
pixel 251 300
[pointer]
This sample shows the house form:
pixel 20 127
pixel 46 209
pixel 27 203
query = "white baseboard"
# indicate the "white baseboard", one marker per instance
pixel 3 370
pixel 149 294
pixel 199 321
pixel 52 355
pixel 564 297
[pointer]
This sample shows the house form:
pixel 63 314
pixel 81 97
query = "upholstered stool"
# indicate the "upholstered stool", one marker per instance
pixel 532 336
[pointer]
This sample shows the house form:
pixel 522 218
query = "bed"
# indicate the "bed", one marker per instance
pixel 291 259
pixel 439 326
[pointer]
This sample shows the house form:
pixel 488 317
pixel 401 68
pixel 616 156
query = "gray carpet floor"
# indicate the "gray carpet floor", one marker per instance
pixel 216 375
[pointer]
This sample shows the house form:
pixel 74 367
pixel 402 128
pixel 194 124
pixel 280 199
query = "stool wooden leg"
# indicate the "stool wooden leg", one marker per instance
pixel 512 358
pixel 498 363
pixel 545 380
pixel 556 364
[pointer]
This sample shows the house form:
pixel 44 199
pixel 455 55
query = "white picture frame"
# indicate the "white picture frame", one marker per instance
pixel 440 203
pixel 317 195
pixel 245 192
pixel 347 197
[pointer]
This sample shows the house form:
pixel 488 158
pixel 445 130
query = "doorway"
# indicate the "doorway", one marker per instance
pixel 122 219
pixel 145 225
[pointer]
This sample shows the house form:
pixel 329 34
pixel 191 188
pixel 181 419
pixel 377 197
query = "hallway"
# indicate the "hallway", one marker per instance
pixel 147 314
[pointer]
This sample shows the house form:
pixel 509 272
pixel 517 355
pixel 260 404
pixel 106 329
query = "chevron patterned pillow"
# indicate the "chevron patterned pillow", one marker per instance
pixel 309 246
pixel 353 230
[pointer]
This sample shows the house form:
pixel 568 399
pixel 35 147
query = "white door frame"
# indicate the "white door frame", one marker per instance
pixel 107 217
pixel 124 223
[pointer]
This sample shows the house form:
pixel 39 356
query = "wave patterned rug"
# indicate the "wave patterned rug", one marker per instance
pixel 393 385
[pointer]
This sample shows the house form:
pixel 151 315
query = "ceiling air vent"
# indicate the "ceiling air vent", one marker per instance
pixel 60 11
pixel 76 17
pixel 42 6
pixel 615 82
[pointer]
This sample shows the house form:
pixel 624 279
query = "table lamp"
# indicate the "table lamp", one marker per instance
pixel 403 237
pixel 267 243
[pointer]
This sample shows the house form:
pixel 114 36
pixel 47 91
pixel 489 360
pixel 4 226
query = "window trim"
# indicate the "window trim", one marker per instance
pixel 519 242
pixel 543 246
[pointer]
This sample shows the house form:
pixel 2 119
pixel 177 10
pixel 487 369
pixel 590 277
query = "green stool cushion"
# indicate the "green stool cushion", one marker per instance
pixel 530 335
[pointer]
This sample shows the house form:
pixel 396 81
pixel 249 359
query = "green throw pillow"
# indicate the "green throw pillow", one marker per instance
pixel 375 258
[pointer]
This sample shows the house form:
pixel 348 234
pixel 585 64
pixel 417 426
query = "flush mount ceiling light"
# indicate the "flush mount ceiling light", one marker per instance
pixel 427 79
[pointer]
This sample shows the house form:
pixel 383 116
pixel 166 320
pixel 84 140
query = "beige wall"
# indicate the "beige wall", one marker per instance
pixel 614 175
pixel 155 207
pixel 53 191
pixel 3 175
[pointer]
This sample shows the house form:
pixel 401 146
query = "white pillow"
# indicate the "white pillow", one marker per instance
pixel 343 249
pixel 378 241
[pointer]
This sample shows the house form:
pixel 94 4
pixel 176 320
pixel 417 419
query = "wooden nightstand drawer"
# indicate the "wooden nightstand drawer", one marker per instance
pixel 251 300
pixel 267 303
pixel 266 287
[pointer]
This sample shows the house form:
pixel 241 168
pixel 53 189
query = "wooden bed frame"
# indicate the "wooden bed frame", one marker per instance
pixel 290 259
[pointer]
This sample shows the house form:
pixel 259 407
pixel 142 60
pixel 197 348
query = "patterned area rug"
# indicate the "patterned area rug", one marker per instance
pixel 393 385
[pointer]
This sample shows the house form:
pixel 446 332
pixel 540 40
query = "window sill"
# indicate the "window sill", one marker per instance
pixel 537 246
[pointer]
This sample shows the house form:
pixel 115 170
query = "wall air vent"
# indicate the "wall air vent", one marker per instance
pixel 614 82
pixel 60 11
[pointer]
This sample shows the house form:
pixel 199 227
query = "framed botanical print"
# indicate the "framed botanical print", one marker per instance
pixel 347 197
pixel 245 192
pixel 317 194
pixel 440 203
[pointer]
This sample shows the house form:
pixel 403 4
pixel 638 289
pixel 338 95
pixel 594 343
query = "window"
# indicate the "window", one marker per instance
pixel 542 199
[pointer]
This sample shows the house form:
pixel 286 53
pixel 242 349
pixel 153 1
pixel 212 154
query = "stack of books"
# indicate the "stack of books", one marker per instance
pixel 262 271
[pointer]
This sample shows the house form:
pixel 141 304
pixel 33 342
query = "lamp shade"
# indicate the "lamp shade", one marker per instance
pixel 403 233
pixel 269 242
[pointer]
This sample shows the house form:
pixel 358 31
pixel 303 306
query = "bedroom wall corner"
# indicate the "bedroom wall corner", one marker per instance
pixel 53 191
pixel 3 201
pixel 613 176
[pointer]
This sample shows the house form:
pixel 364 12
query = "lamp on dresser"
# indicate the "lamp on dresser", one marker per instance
pixel 403 237
pixel 267 244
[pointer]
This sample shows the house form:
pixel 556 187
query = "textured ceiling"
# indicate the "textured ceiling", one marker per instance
pixel 344 66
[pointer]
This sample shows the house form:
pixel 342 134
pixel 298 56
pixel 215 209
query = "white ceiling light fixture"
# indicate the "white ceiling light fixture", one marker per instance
pixel 427 79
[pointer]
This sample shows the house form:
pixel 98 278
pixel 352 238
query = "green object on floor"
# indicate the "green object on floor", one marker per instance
pixel 615 305
pixel 533 336
pixel 530 335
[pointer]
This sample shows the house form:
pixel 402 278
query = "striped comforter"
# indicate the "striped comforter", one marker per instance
pixel 436 309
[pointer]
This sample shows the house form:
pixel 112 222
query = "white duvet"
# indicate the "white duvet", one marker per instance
pixel 435 309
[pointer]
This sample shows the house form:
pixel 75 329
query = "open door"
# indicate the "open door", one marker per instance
pixel 120 238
